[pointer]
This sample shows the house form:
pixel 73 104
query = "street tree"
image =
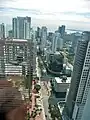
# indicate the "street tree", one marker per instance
pixel 37 87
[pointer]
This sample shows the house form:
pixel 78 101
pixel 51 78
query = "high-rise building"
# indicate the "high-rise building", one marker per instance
pixel 10 34
pixel 14 27
pixel 34 44
pixel 2 30
pixel 78 70
pixel 86 112
pixel 54 44
pixel 86 35
pixel 75 38
pixel 38 32
pixel 84 87
pixel 61 30
pixel 2 62
pixel 50 36
pixel 43 37
pixel 27 27
pixel 21 27
pixel 18 57
pixel 80 83
pixel 57 43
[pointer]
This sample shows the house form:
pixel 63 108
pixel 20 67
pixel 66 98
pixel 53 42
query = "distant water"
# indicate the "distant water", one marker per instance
pixel 72 31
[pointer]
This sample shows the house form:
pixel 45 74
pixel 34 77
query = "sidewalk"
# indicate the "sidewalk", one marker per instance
pixel 39 82
pixel 42 108
pixel 34 101
pixel 43 112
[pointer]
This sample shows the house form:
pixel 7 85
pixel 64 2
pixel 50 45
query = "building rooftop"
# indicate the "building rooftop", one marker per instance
pixel 59 80
pixel 58 53
pixel 16 40
pixel 70 66
pixel 23 40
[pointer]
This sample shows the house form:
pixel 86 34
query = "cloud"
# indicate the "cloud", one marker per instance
pixel 48 5
pixel 18 10
pixel 87 0
pixel 34 13
pixel 73 13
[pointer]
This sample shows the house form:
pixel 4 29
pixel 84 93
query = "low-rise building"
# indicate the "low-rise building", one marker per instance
pixel 60 87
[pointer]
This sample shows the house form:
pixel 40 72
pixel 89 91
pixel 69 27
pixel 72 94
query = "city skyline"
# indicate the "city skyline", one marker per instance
pixel 74 14
pixel 45 54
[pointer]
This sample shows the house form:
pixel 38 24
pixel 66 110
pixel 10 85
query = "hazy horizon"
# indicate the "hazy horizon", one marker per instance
pixel 73 14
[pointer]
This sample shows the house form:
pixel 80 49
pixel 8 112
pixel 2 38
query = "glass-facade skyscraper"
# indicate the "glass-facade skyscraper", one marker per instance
pixel 2 30
pixel 21 27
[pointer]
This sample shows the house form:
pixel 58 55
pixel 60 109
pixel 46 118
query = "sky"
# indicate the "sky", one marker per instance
pixel 75 14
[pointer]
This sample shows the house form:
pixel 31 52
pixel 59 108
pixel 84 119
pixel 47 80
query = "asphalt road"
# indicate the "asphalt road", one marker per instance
pixel 45 96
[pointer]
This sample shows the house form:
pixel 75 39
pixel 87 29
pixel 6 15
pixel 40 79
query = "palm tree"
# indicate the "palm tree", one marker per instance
pixel 28 115
pixel 55 113
pixel 33 114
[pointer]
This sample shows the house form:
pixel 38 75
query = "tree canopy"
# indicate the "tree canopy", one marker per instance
pixel 37 87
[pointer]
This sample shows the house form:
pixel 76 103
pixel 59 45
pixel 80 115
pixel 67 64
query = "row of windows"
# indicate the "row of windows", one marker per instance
pixel 85 70
pixel 89 52
pixel 86 65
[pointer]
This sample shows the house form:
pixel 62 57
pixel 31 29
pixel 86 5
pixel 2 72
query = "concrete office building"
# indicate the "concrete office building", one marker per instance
pixel 57 43
pixel 14 48
pixel 18 57
pixel 2 62
pixel 60 86
pixel 34 55
pixel 2 30
pixel 78 70
pixel 86 111
pixel 84 87
pixel 59 90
